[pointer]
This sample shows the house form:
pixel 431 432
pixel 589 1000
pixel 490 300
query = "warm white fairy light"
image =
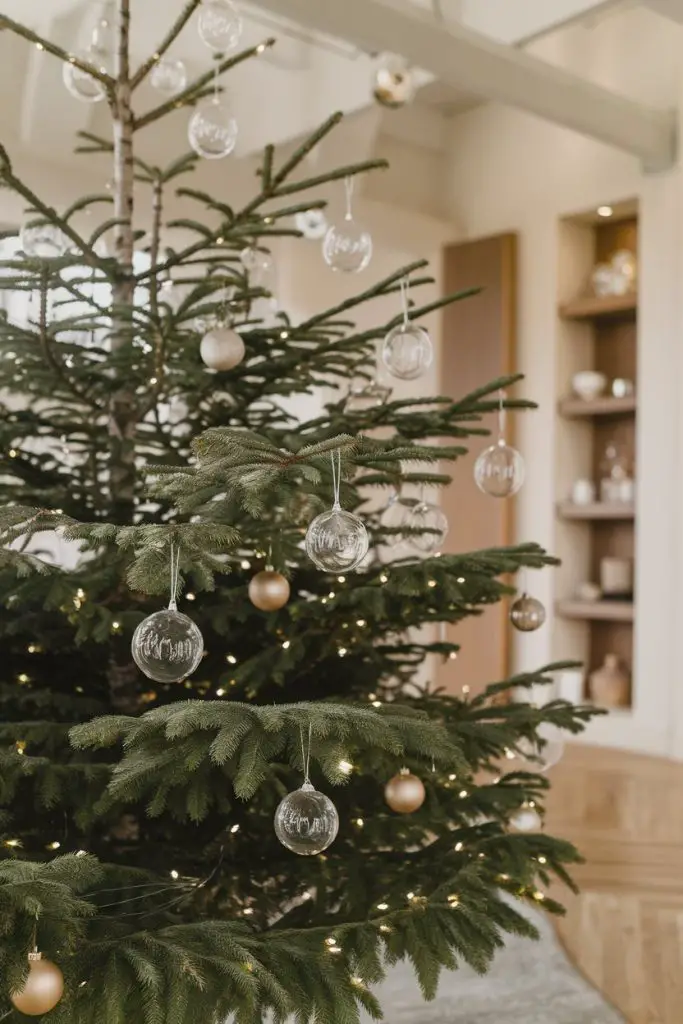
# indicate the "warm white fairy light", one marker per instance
pixel 116 626
pixel 341 579
pixel 286 645
pixel 12 843
pixel 431 583
pixel 384 578
pixel 384 928
pixel 359 822
pixel 462 794
pixel 234 829
pixel 245 564
pixel 510 754
pixel 466 690
pixel 23 678
pixel 261 48
pixel 231 659
pixel 461 579
pixel 220 693
pixel 330 941
pixel 346 767
pixel 174 875
pixel 13 453
pixel 331 595
pixel 382 906
pixel 361 623
pixel 377 703
pixel 248 911
pixel 542 860
pixel 459 847
pixel 81 853
pixel 53 846
pixel 342 652
pixel 539 896
pixel 454 900
pixel 191 597
pixel 452 778
pixel 284 335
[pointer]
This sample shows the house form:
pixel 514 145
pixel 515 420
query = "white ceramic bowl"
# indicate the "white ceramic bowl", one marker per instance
pixel 589 384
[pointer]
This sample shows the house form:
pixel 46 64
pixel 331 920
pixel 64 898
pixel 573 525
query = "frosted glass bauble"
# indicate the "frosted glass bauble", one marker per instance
pixel 337 541
pixel 394 519
pixel 219 25
pixel 499 471
pixel 306 822
pixel 366 395
pixel 42 241
pixel 432 525
pixel 167 646
pixel 213 130
pixel 80 84
pixel 222 349
pixel 347 247
pixel 407 351
pixel 169 76
pixel 526 819
pixel 312 224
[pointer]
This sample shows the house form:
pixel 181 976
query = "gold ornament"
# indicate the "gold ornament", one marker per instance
pixel 527 614
pixel 404 793
pixel 43 989
pixel 269 590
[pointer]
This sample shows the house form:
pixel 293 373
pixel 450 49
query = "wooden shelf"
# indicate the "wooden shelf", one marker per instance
pixel 592 307
pixel 604 611
pixel 597 510
pixel 605 406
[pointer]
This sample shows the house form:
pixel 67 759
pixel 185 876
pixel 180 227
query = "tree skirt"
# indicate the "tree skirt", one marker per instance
pixel 529 983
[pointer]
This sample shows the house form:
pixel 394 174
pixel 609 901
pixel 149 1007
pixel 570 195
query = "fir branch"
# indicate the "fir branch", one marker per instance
pixel 45 44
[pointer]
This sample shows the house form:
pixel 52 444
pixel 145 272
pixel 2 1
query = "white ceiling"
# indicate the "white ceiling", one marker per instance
pixel 283 95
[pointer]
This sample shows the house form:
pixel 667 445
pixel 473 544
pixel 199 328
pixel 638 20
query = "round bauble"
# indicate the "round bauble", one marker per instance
pixel 169 76
pixel 347 247
pixel 80 84
pixel 364 395
pixel 337 541
pixel 222 349
pixel 526 819
pixel 219 25
pixel 405 793
pixel 527 614
pixel 269 590
pixel 499 471
pixel 394 83
pixel 43 989
pixel 212 130
pixel 542 753
pixel 407 351
pixel 430 525
pixel 306 822
pixel 167 646
pixel 312 224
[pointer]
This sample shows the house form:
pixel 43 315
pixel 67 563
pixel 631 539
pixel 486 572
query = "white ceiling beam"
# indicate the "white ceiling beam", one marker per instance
pixel 669 8
pixel 468 60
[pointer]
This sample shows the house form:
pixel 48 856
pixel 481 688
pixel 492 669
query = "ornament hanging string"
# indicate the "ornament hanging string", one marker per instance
pixel 175 571
pixel 336 478
pixel 502 416
pixel 405 299
pixel 349 185
pixel 306 752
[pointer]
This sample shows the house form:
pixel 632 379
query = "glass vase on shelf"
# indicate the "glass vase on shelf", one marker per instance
pixel 617 483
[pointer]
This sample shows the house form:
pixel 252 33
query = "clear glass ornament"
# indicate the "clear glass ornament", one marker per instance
pixel 219 25
pixel 306 822
pixel 393 520
pixel 544 752
pixel 527 614
pixel 213 130
pixel 347 246
pixel 432 524
pixel 170 294
pixel 407 351
pixel 394 83
pixel 79 83
pixel 167 646
pixel 256 261
pixel 312 224
pixel 42 241
pixel 364 395
pixel 499 471
pixel 169 76
pixel 526 819
pixel 337 541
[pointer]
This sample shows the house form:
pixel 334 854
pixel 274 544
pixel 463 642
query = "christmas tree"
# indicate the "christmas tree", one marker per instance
pixel 144 423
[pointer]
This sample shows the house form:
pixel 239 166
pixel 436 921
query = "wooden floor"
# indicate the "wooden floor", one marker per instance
pixel 625 931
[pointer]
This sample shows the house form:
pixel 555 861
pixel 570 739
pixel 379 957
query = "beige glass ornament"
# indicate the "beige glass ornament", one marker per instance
pixel 269 590
pixel 405 793
pixel 43 988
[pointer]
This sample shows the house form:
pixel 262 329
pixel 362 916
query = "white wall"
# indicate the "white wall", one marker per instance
pixel 513 172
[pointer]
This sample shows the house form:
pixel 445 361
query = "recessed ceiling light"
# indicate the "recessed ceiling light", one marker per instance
pixel 605 211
